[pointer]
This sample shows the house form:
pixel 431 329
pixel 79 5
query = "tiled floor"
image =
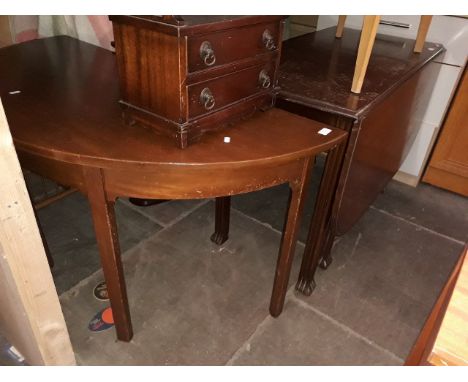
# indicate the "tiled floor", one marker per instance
pixel 193 302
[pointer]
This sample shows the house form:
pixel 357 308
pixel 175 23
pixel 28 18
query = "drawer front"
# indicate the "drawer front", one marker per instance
pixel 209 96
pixel 220 48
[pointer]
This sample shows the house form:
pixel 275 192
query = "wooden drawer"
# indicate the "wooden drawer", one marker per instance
pixel 163 73
pixel 209 96
pixel 220 48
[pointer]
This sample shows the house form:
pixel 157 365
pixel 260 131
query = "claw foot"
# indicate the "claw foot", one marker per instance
pixel 305 287
pixel 325 262
pixel 219 238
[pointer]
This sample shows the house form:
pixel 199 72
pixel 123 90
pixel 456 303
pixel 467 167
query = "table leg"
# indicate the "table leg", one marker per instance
pixel 326 258
pixel 297 196
pixel 222 217
pixel 321 229
pixel 368 33
pixel 424 24
pixel 340 26
pixel 106 235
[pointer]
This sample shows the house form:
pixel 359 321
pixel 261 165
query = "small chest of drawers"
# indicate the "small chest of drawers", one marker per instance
pixel 185 75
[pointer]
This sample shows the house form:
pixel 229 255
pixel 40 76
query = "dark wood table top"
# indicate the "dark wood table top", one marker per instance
pixel 317 70
pixel 68 110
pixel 61 100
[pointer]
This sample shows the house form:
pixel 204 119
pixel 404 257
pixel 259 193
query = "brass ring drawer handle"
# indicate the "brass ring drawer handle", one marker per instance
pixel 268 40
pixel 207 53
pixel 207 99
pixel 264 79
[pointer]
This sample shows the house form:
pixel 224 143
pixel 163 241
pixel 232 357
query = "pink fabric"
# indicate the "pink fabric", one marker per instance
pixel 96 29
pixel 26 35
pixel 103 29
pixel 24 28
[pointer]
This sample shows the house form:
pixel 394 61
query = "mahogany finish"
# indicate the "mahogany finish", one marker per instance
pixel 66 125
pixel 186 75
pixel 315 77
pixel 222 219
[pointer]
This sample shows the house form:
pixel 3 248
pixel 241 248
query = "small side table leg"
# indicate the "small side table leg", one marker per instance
pixel 424 24
pixel 106 235
pixel 222 217
pixel 340 26
pixel 297 195
pixel 321 229
pixel 368 33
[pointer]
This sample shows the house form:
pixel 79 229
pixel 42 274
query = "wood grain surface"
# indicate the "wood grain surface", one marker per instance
pixel 451 345
pixel 62 102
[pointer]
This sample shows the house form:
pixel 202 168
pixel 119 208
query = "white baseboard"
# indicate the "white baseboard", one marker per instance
pixel 403 177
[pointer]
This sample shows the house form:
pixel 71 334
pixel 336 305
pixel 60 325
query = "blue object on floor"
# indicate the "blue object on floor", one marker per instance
pixel 103 320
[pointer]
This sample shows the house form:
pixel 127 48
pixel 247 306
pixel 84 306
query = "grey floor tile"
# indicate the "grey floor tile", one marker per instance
pixel 300 336
pixel 40 188
pixel 442 211
pixel 192 302
pixel 69 233
pixel 269 205
pixel 384 280
pixel 166 213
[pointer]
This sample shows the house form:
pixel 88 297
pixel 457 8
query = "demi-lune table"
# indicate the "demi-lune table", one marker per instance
pixel 60 96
